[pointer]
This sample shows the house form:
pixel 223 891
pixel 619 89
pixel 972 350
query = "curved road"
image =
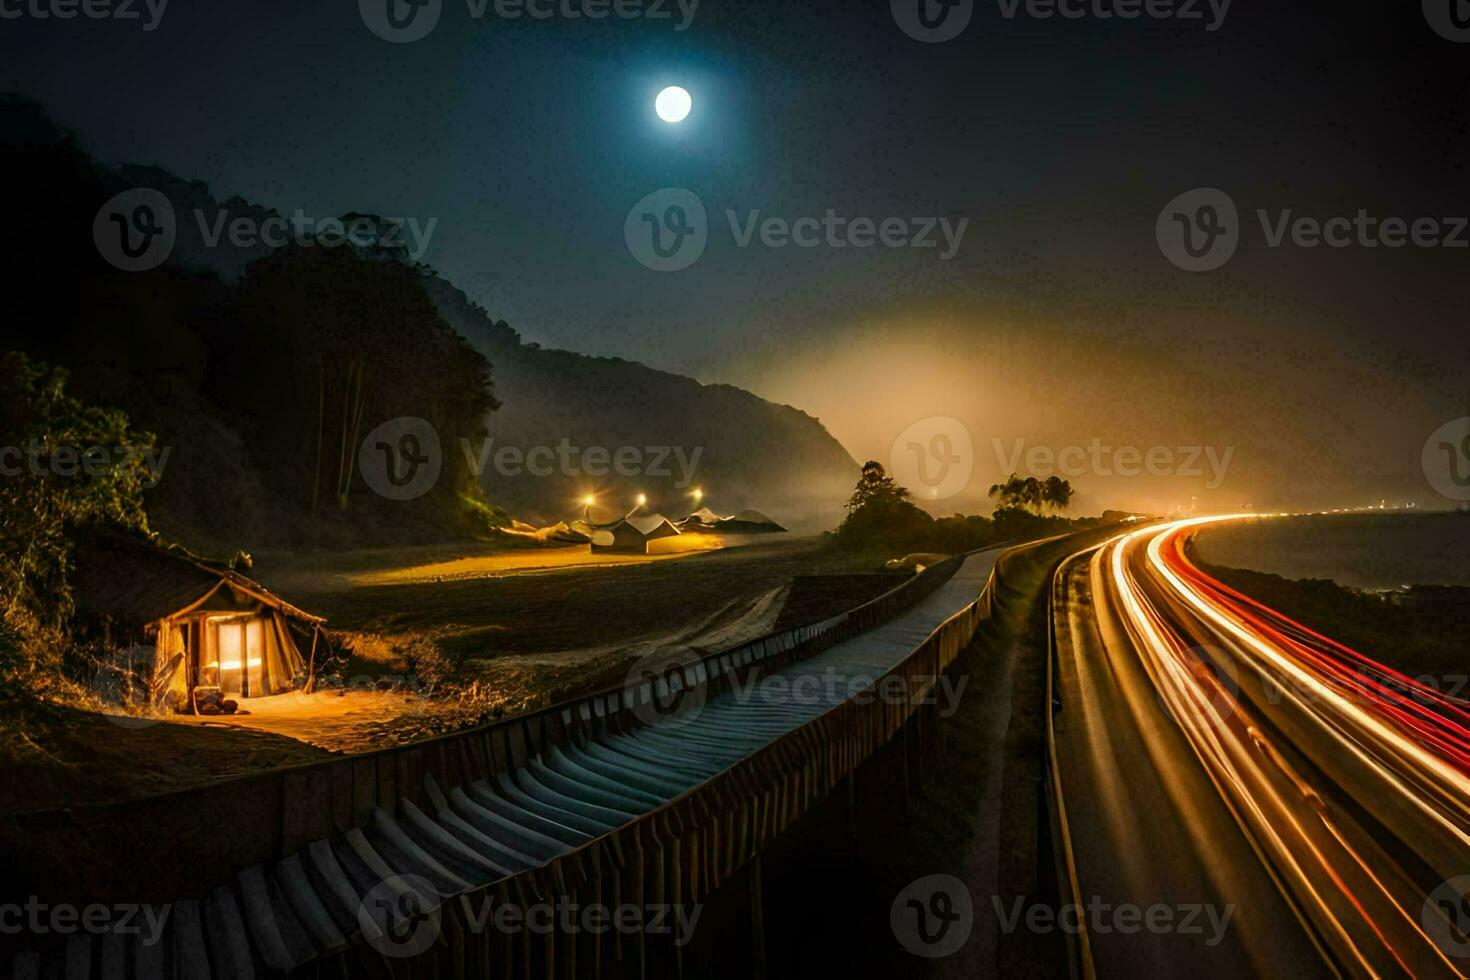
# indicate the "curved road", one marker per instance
pixel 1244 796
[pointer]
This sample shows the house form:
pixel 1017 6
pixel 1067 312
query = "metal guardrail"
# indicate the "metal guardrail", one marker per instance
pixel 289 905
pixel 1079 948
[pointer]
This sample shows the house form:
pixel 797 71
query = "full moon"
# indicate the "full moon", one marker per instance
pixel 673 104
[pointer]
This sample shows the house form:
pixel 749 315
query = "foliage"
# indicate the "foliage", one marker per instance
pixel 1418 631
pixel 875 488
pixel 880 516
pixel 356 336
pixel 1037 496
pixel 63 465
pixel 879 511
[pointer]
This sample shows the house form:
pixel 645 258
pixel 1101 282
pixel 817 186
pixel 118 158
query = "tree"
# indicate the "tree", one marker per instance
pixel 63 465
pixel 355 333
pixel 879 513
pixel 1032 495
pixel 875 488
pixel 1056 493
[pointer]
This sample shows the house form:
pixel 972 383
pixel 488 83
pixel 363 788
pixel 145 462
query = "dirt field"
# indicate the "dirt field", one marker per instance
pixel 486 605
pixel 516 629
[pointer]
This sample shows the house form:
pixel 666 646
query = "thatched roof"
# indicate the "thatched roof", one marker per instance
pixel 131 580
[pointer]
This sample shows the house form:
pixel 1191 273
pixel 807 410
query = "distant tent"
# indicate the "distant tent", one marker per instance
pixel 748 522
pixel 209 627
pixel 702 517
pixel 745 522
pixel 567 534
pixel 632 533
pixel 754 517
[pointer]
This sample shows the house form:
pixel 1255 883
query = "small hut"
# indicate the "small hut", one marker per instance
pixel 210 628
pixel 632 533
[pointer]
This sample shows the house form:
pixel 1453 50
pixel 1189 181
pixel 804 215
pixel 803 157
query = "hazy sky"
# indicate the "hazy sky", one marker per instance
pixel 1057 322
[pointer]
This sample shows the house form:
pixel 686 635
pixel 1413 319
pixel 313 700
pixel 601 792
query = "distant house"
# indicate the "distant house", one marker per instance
pixel 208 627
pixel 632 533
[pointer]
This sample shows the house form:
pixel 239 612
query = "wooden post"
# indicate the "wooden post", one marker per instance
pixel 310 685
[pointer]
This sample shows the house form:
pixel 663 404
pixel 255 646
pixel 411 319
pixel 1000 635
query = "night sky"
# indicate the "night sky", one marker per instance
pixel 1058 320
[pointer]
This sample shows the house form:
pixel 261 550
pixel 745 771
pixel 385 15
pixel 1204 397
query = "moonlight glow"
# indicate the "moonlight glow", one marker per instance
pixel 673 104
